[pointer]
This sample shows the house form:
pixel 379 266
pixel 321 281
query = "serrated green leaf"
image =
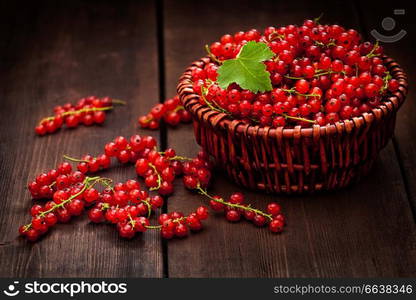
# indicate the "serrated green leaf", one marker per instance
pixel 247 69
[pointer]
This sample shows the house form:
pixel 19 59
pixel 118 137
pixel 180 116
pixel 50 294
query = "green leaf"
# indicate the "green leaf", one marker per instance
pixel 247 69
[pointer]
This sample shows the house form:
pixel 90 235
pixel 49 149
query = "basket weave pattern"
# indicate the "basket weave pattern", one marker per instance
pixel 294 160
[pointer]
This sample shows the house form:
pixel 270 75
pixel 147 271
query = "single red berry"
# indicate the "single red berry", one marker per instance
pixel 273 209
pixel 35 210
pixel 32 235
pixel 91 195
pixel 40 130
pixel 181 230
pixel 162 218
pixel 99 117
pixel 51 219
pixel 302 86
pixel 132 184
pixel 104 161
pixel 156 201
pixel 202 212
pixel 276 226
pixel 75 207
pixel 259 220
pixel 249 215
pixel 167 234
pixel 190 182
pixel 237 198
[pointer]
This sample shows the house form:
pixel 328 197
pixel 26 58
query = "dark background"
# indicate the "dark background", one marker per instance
pixel 57 51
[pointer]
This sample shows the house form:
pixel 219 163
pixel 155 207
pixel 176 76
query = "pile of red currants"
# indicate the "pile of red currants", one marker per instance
pixel 320 74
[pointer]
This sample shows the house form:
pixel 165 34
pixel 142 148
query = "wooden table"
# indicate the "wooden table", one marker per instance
pixel 136 50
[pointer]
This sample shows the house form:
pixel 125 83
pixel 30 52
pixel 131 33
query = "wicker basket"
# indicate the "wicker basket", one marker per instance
pixel 297 160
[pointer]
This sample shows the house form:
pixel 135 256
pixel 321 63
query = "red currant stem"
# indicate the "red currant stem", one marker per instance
pixel 149 208
pixel 74 159
pixel 216 109
pixel 176 157
pixel 276 58
pixel 293 77
pixel 233 205
pixel 108 185
pixel 317 19
pixel 331 43
pixel 326 72
pixel 52 184
pixel 298 119
pixel 131 221
pixel 212 56
pixel 86 182
pixel 118 101
pixel 371 53
pixel 73 112
pixel 104 181
pixel 105 206
pixel 159 178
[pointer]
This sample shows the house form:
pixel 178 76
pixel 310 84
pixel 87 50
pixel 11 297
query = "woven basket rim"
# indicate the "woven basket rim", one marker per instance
pixel 389 105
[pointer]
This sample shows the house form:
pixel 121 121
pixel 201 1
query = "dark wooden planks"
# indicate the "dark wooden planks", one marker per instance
pixel 55 52
pixel 402 51
pixel 364 231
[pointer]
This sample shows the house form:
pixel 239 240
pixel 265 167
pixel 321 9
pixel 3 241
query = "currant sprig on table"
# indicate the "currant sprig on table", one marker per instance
pixel 170 111
pixel 86 111
pixel 65 204
pixel 197 176
pixel 127 204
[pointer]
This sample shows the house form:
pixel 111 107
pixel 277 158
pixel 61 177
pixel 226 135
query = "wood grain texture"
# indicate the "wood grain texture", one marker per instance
pixel 53 53
pixel 405 135
pixel 364 231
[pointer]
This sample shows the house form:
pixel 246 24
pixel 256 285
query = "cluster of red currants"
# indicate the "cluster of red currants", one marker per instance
pixel 47 183
pixel 320 74
pixel 235 208
pixel 123 204
pixel 127 206
pixel 65 201
pixel 159 169
pixel 176 224
pixel 197 172
pixel 86 111
pixel 170 111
